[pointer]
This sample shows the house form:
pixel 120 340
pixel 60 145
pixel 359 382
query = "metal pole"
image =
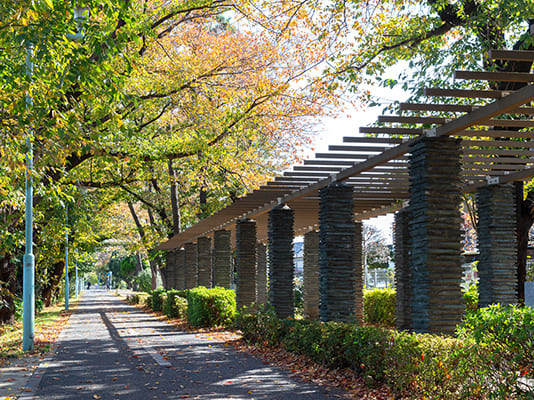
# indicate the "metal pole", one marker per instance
pixel 66 258
pixel 28 274
pixel 77 282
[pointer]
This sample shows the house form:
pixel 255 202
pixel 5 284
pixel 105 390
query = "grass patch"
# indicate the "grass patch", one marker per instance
pixel 48 325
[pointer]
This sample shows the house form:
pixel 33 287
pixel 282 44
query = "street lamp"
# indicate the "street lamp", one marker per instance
pixel 28 274
pixel 66 257
pixel 28 261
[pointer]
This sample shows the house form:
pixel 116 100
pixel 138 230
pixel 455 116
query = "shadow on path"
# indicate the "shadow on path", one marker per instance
pixel 111 350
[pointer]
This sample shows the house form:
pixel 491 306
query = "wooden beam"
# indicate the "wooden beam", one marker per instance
pixel 479 116
pixel 436 107
pixel 371 139
pixel 471 94
pixel 499 143
pixel 495 76
pixel 511 55
pixel 354 157
pixel 526 153
pixel 391 131
pixel 325 162
pixel 413 120
pixel 496 133
pixel 507 160
pixel 318 168
pixel 366 149
pixel 508 123
pixel 523 175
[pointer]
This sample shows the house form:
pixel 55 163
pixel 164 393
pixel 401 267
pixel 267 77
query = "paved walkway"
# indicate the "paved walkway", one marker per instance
pixel 110 350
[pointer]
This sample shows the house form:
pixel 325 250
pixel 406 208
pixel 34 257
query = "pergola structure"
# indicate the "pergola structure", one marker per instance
pixel 418 165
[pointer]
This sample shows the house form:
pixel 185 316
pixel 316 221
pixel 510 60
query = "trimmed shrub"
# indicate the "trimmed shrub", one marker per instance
pixel 157 299
pixel 132 298
pixel 488 361
pixel 471 299
pixel 262 327
pixel 211 307
pixel 174 305
pixel 379 307
pixel 148 301
pixel 505 337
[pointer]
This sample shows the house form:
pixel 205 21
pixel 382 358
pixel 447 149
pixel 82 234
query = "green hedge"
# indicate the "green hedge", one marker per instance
pixel 431 366
pixel 211 307
pixel 174 304
pixel 379 307
pixel 137 298
pixel 157 299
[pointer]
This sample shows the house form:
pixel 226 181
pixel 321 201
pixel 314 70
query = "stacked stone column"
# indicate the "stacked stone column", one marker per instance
pixel 435 231
pixel 497 244
pixel 261 273
pixel 358 271
pixel 246 263
pixel 281 263
pixel 170 270
pixel 311 275
pixel 401 240
pixel 337 250
pixel 191 265
pixel 222 248
pixel 204 261
pixel 180 269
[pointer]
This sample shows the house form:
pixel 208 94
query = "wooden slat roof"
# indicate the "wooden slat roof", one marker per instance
pixel 497 148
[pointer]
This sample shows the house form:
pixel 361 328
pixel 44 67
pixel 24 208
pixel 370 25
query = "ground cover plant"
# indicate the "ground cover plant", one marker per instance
pixel 48 324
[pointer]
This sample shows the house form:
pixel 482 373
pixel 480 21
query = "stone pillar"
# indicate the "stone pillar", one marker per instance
pixel 401 241
pixel 222 248
pixel 337 282
pixel 246 263
pixel 281 263
pixel 204 261
pixel 358 271
pixel 311 275
pixel 435 231
pixel 180 269
pixel 261 273
pixel 170 270
pixel 191 265
pixel 497 244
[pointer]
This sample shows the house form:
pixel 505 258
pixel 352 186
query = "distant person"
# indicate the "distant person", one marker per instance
pixel 88 285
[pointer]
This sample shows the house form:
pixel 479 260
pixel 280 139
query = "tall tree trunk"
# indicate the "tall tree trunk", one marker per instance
pixel 53 283
pixel 176 217
pixel 153 263
pixel 154 270
pixel 7 290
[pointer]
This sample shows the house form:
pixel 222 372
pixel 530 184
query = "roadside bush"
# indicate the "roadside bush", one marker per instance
pixel 157 299
pixel 174 305
pixel 379 307
pixel 505 335
pixel 471 298
pixel 148 301
pixel 415 365
pixel 262 327
pixel 144 281
pixel 211 307
pixel 132 298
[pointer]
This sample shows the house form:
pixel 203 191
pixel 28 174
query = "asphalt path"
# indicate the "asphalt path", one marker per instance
pixel 111 350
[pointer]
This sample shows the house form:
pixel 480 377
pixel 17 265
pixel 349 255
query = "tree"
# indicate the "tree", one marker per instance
pixel 375 249
pixel 152 88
